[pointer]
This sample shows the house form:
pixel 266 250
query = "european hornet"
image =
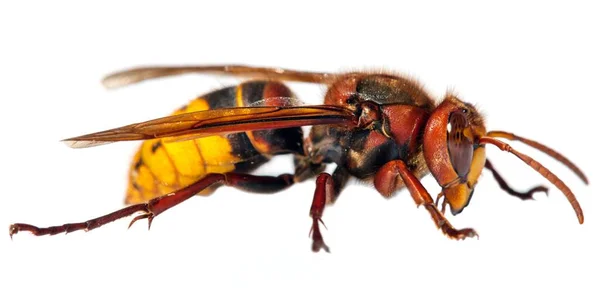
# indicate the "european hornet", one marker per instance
pixel 382 128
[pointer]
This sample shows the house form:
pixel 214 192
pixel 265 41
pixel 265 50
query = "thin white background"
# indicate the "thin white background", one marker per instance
pixel 531 68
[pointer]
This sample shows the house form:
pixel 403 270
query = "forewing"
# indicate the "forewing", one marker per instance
pixel 218 122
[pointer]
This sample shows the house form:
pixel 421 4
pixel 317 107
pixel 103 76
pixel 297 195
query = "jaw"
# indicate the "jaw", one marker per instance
pixel 458 197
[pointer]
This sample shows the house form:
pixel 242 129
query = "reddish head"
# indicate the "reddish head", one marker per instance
pixel 452 150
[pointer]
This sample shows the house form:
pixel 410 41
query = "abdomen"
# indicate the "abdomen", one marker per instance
pixel 160 167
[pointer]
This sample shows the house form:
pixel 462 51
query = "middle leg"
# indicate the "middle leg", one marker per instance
pixel 327 190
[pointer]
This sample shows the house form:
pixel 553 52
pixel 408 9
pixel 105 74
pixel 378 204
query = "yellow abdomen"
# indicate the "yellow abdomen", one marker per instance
pixel 160 167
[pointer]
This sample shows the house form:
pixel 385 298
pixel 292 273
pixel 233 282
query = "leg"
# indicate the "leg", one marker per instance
pixel 136 75
pixel 160 204
pixel 502 183
pixel 385 182
pixel 327 190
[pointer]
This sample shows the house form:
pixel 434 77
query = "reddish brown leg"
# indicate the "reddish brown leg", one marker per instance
pixel 386 184
pixel 327 190
pixel 503 185
pixel 160 204
pixel 322 196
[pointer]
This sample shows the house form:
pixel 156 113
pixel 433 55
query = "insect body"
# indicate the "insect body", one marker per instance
pixel 380 128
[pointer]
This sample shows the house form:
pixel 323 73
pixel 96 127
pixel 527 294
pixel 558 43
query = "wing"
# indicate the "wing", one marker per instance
pixel 135 75
pixel 218 122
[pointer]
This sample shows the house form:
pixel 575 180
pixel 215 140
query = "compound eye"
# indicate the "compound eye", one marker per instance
pixel 460 148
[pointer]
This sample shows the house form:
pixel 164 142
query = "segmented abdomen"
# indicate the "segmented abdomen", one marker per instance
pixel 160 167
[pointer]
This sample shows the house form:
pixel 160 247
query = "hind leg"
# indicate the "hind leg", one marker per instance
pixel 154 207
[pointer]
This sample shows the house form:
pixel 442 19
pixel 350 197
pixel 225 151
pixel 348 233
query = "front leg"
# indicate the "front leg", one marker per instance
pixel 386 183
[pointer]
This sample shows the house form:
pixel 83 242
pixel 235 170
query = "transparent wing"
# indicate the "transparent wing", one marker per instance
pixel 135 75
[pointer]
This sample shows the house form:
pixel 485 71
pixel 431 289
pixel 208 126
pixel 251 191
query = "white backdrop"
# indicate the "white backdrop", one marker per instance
pixel 531 68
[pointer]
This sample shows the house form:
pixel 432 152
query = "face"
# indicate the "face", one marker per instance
pixel 452 151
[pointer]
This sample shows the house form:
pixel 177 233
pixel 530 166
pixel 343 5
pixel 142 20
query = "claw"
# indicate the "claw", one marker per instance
pixel 148 216
pixel 464 233
pixel 317 238
pixel 318 245
pixel 321 220
pixel 12 229
pixel 454 234
pixel 529 194
pixel 18 227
